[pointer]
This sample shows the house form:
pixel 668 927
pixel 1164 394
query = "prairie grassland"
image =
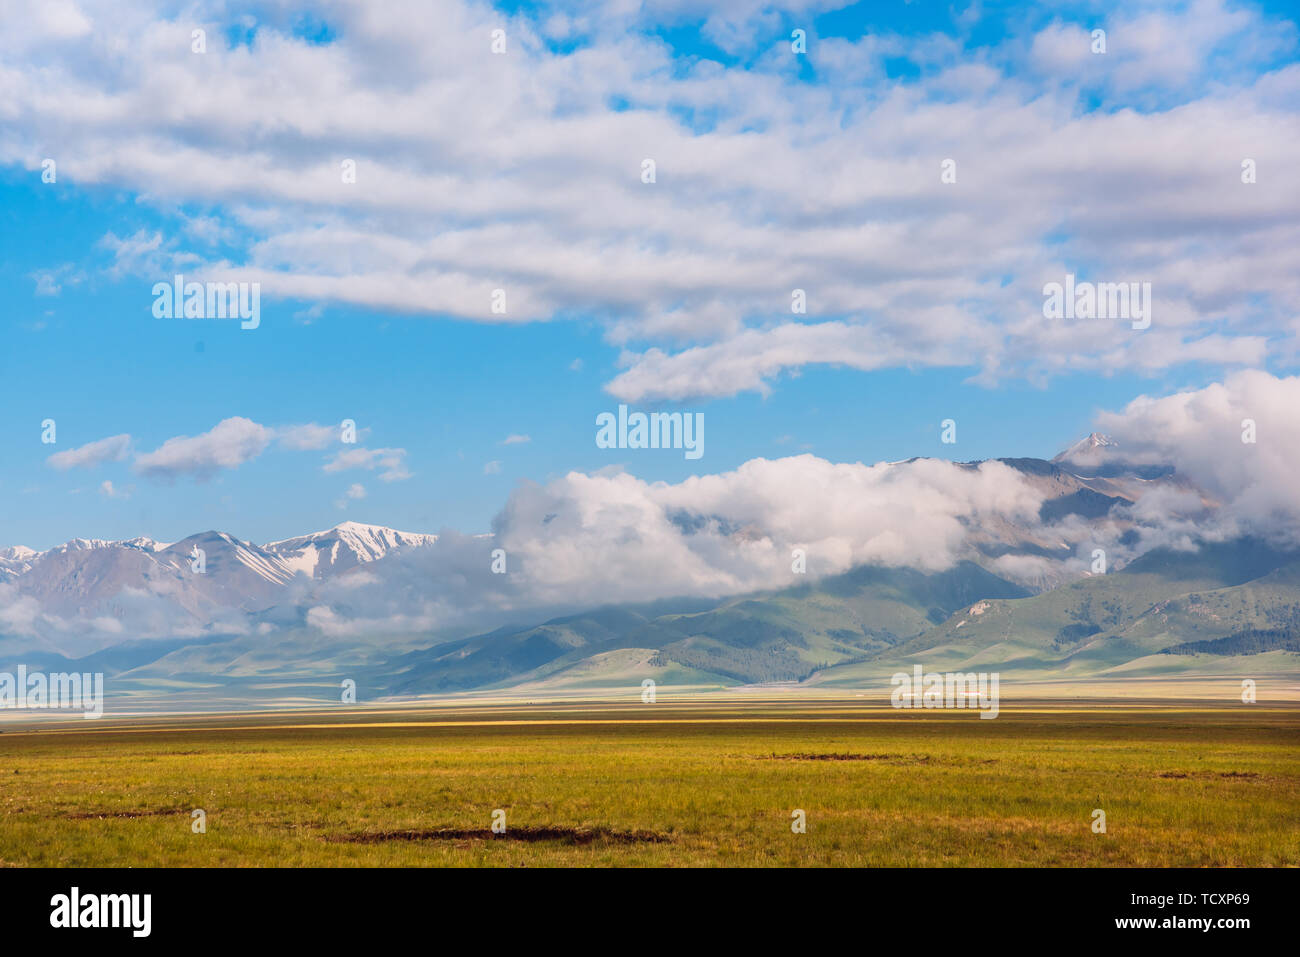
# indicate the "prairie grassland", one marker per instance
pixel 670 784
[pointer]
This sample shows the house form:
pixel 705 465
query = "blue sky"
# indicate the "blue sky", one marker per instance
pixel 898 346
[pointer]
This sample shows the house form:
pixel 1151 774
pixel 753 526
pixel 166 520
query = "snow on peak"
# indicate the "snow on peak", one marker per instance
pixel 144 543
pixel 16 560
pixel 377 538
pixel 346 545
pixel 1091 446
pixel 340 548
pixel 83 545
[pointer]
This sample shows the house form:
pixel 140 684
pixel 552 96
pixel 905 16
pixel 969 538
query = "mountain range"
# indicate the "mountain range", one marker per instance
pixel 215 617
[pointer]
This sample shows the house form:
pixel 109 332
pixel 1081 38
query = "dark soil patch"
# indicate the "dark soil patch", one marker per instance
pixel 851 757
pixel 566 835
pixel 1208 774
pixel 103 815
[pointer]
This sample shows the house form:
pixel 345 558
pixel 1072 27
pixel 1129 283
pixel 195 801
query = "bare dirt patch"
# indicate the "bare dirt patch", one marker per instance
pixel 1208 774
pixel 565 835
pixel 104 815
pixel 920 758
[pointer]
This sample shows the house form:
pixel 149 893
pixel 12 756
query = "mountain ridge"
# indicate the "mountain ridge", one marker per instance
pixel 370 601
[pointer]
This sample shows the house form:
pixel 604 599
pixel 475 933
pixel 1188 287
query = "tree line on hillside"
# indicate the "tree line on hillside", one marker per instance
pixel 1251 641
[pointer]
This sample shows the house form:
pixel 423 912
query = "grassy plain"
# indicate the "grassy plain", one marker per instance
pixel 696 781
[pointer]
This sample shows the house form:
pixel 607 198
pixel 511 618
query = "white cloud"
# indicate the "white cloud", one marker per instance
pixel 19 613
pixel 391 463
pixel 1201 432
pixel 355 492
pixel 49 282
pixel 747 361
pixel 516 439
pixel 112 449
pixel 1150 48
pixel 478 172
pixel 331 623
pixel 611 536
pixel 228 445
pixel 307 437
pixel 108 490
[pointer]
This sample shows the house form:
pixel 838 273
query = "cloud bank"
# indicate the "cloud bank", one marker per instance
pixel 775 172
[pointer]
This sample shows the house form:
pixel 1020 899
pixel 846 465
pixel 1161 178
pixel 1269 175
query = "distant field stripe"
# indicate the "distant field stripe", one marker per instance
pixel 836 717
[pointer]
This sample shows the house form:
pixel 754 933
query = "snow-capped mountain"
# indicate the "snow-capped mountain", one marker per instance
pixel 141 543
pixel 89 593
pixel 15 561
pixel 368 580
pixel 1092 449
pixel 342 547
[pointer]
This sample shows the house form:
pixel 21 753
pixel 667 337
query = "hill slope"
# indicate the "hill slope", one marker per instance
pixel 779 636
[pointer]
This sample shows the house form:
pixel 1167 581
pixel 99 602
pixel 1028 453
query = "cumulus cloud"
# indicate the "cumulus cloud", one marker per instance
pixel 751 359
pixel 112 449
pixel 227 445
pixel 612 534
pixel 1203 433
pixel 522 172
pixel 230 444
pixel 1154 47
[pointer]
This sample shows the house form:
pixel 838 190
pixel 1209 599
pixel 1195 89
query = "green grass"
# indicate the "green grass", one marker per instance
pixel 713 781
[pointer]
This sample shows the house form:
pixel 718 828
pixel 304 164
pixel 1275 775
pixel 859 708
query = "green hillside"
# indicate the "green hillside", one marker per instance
pixel 1164 600
pixel 777 636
